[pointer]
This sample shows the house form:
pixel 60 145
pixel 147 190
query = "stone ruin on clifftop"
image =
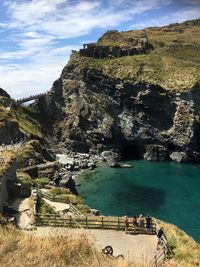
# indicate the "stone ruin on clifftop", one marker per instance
pixel 133 47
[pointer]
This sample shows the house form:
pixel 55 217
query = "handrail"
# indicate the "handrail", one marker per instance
pixel 74 210
pixel 164 251
pixel 27 99
pixel 93 222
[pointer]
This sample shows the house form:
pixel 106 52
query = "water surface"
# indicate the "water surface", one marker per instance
pixel 169 191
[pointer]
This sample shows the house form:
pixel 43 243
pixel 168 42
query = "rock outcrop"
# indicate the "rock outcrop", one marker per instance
pixel 91 110
pixel 143 120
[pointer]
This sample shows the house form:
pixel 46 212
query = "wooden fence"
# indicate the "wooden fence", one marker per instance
pixel 164 251
pixel 90 222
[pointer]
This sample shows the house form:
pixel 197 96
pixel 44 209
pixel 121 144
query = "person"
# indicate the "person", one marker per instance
pixel 57 178
pixel 11 144
pixel 159 235
pixel 148 222
pixel 30 162
pixel 140 222
pixel 126 223
pixel 135 224
pixel 71 185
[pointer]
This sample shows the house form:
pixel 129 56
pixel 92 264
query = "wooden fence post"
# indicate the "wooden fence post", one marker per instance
pixel 118 223
pixel 70 221
pixel 55 220
pixel 102 223
pixel 155 258
pixel 86 222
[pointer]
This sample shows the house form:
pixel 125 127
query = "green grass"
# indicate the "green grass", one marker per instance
pixel 27 119
pixel 172 68
pixel 45 208
pixel 186 250
pixel 31 150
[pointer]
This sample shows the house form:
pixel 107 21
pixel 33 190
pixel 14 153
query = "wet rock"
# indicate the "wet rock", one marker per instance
pixel 95 212
pixel 155 153
pixel 179 156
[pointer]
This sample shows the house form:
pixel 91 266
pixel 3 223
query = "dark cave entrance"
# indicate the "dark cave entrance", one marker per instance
pixel 132 152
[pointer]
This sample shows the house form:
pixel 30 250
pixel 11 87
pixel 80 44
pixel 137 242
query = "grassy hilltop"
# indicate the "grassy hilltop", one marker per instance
pixel 174 62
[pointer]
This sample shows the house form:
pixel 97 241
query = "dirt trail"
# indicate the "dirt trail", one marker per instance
pixel 133 247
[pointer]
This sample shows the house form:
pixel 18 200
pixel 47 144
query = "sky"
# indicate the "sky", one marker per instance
pixel 37 36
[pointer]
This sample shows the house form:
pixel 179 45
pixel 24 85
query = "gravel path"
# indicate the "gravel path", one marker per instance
pixel 133 247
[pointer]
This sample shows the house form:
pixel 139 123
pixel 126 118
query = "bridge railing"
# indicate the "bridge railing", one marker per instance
pixel 30 98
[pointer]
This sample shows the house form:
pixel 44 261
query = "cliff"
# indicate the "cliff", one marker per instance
pixel 7 176
pixel 143 105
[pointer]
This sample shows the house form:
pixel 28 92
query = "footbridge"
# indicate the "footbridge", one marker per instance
pixel 30 98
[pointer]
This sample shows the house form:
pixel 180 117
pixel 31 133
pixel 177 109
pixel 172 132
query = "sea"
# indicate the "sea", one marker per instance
pixel 168 191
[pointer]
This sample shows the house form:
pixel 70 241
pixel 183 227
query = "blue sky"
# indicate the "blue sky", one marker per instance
pixel 37 36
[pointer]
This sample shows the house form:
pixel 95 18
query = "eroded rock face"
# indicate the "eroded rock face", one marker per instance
pixel 155 153
pixel 89 111
pixel 9 131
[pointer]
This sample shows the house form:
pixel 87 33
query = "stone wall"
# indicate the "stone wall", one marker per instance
pixel 8 176
pixel 107 51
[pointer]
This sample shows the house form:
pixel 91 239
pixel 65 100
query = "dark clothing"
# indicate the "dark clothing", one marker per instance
pixel 148 222
pixel 57 178
pixel 71 185
pixel 135 222
pixel 160 233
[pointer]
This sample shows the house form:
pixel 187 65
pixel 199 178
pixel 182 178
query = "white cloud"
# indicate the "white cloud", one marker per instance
pixel 36 76
pixel 179 16
pixel 39 30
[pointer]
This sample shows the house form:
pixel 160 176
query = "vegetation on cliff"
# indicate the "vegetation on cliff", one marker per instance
pixel 186 250
pixel 18 119
pixel 174 62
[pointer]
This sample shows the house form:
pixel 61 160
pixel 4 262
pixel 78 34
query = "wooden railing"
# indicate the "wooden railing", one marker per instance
pixel 89 222
pixel 47 196
pixel 74 210
pixel 164 251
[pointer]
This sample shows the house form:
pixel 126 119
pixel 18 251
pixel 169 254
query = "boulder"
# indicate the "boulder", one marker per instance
pixel 65 159
pixel 111 157
pixel 179 156
pixel 155 153
pixel 95 212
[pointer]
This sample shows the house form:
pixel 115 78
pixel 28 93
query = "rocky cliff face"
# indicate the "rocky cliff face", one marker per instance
pixel 92 111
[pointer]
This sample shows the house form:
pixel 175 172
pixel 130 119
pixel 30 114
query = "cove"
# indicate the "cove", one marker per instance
pixel 166 190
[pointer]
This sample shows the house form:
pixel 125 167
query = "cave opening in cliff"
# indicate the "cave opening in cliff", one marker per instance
pixel 131 152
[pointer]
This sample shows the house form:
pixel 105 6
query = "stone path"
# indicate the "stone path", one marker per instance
pixel 133 247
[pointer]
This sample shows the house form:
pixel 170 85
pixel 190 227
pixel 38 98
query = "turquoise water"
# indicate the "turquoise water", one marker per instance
pixel 169 191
